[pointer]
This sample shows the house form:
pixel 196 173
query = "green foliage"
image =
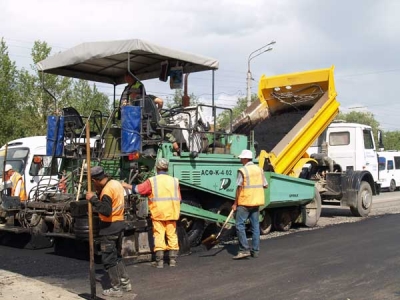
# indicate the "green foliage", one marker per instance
pixel 86 98
pixel 8 102
pixel 25 104
pixel 223 118
pixel 176 99
pixel 391 140
pixel 366 118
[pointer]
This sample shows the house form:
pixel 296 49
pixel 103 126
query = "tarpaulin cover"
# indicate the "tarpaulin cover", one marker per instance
pixel 108 61
pixel 55 135
pixel 130 123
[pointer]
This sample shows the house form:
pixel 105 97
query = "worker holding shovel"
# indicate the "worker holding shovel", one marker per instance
pixel 251 183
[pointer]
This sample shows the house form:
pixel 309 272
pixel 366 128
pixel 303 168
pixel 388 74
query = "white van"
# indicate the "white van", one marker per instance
pixel 389 169
pixel 28 157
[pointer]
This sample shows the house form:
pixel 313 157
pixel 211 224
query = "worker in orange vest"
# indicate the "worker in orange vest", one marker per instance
pixel 164 198
pixel 110 207
pixel 251 183
pixel 17 182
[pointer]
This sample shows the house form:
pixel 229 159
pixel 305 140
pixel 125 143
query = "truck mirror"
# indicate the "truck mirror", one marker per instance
pixel 380 140
pixel 34 171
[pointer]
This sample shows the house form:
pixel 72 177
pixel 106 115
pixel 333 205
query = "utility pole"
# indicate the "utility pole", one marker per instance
pixel 252 55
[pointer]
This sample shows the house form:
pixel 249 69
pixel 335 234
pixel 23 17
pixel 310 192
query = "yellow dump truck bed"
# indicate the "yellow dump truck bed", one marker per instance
pixel 294 109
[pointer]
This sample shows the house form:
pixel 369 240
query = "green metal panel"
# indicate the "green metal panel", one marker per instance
pixel 214 173
pixel 237 143
pixel 284 190
pixel 196 212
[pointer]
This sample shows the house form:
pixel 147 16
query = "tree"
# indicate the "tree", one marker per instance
pixel 8 100
pixel 366 118
pixel 86 98
pixel 223 119
pixel 176 99
pixel 37 104
pixel 391 140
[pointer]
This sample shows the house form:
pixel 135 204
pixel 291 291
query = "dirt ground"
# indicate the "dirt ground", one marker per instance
pixel 17 287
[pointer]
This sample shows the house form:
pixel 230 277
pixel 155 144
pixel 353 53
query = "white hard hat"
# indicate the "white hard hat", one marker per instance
pixel 8 167
pixel 246 154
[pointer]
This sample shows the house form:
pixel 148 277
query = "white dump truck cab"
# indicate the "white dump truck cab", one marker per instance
pixel 347 166
pixel 28 157
pixel 350 145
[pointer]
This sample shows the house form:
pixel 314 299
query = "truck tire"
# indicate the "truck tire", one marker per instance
pixel 282 220
pixel 266 223
pixel 194 227
pixel 311 212
pixel 392 186
pixel 364 201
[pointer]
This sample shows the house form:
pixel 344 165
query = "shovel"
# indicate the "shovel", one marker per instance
pixel 212 240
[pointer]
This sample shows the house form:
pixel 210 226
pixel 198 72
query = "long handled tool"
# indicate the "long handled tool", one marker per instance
pixel 90 215
pixel 212 240
pixel 4 165
pixel 80 180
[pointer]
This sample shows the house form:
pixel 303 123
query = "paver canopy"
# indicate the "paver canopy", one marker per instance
pixel 107 62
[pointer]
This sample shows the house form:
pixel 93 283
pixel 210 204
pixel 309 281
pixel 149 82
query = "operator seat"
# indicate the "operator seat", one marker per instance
pixel 73 123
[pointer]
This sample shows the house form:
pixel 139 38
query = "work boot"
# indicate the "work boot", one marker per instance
pixel 172 257
pixel 159 263
pixel 254 254
pixel 115 290
pixel 125 281
pixel 242 254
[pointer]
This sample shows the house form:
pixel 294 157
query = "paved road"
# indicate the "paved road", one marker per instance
pixel 348 261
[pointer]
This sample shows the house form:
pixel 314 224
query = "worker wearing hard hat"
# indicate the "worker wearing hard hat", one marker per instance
pixel 164 197
pixel 17 182
pixel 251 183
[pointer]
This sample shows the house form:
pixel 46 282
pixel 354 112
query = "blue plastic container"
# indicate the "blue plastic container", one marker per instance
pixel 55 136
pixel 130 123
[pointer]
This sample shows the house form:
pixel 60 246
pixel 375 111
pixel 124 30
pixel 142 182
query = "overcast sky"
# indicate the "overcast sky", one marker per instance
pixel 360 37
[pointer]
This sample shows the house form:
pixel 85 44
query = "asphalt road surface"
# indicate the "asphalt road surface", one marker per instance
pixel 348 261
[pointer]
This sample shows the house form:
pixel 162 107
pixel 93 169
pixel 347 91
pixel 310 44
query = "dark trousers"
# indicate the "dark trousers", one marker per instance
pixel 111 247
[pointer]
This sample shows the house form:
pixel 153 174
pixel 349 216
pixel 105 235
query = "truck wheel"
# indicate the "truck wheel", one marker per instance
pixel 364 201
pixel 266 223
pixel 311 212
pixel 194 227
pixel 282 220
pixel 392 186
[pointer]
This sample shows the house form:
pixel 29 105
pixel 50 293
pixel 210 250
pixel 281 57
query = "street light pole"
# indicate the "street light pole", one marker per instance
pixel 252 55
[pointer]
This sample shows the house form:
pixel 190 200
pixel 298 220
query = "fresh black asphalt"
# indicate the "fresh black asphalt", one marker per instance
pixel 353 261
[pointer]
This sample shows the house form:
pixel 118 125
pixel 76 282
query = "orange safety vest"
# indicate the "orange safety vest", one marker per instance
pixel 14 179
pixel 165 198
pixel 115 191
pixel 252 192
